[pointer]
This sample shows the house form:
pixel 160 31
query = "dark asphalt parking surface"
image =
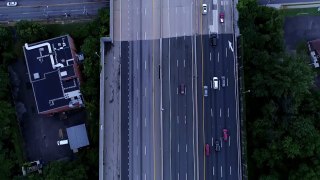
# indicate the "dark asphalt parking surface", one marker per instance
pixel 300 29
pixel 40 133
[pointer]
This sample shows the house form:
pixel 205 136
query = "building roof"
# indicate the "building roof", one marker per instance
pixel 52 72
pixel 314 48
pixel 77 136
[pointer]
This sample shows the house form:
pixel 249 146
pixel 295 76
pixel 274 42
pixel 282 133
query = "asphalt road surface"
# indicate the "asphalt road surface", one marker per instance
pixel 218 110
pixel 263 2
pixel 49 10
pixel 163 46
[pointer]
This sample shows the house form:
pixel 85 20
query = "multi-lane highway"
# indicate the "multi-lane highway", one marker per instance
pixel 166 59
pixel 50 10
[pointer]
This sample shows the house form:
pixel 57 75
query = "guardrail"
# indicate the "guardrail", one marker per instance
pixel 242 109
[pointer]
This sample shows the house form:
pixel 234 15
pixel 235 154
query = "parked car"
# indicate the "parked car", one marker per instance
pixel 11 3
pixel 207 149
pixel 218 147
pixel 221 17
pixel 215 83
pixel 225 134
pixel 205 91
pixel 204 9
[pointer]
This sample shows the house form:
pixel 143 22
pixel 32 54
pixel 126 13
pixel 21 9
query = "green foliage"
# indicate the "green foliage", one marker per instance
pixel 4 81
pixel 5 38
pixel 64 171
pixel 282 108
pixel 104 18
pixel 29 32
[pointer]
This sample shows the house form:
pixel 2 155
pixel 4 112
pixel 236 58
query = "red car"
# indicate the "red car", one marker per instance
pixel 207 148
pixel 225 134
pixel 221 17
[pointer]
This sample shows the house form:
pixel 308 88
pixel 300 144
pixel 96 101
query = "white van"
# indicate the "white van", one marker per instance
pixel 63 142
pixel 215 83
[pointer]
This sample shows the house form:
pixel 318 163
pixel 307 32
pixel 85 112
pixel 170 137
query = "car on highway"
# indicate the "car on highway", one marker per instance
pixel 217 147
pixel 205 91
pixel 215 83
pixel 213 39
pixel 221 17
pixel 204 9
pixel 223 81
pixel 11 3
pixel 182 89
pixel 225 134
pixel 207 149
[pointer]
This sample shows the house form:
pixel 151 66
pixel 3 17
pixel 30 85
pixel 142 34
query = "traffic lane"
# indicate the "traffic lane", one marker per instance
pixel 232 125
pixel 150 108
pixel 124 111
pixel 185 76
pixel 135 143
pixel 189 121
pixel 181 105
pixel 213 57
pixel 44 13
pixel 146 145
pixel 166 101
pixel 157 108
pixel 174 129
pixel 56 2
pixel 231 161
pixel 226 8
pixel 198 103
pixel 208 121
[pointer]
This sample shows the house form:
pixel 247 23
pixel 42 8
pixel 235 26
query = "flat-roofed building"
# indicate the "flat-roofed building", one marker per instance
pixel 54 74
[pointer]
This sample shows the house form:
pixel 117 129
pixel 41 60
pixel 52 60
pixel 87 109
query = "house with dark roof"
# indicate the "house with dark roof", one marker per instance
pixel 54 74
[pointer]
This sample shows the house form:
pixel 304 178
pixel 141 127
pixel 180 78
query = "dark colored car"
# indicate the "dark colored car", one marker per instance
pixel 213 39
pixel 218 147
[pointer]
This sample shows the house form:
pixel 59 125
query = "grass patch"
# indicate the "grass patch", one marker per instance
pixel 300 12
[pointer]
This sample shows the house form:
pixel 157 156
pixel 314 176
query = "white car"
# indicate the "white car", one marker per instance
pixel 215 83
pixel 12 3
pixel 204 9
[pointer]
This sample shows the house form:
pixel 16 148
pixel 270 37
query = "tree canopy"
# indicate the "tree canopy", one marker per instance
pixel 282 110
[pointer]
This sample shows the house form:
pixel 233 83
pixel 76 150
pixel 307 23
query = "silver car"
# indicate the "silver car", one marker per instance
pixel 205 91
pixel 223 81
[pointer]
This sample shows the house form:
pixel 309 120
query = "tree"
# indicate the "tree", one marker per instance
pixel 29 32
pixel 64 170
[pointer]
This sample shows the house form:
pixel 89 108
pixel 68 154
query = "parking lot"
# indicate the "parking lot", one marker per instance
pixel 300 29
pixel 40 133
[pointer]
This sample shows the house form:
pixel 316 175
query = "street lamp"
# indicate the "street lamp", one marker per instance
pixel 246 91
pixel 97 54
